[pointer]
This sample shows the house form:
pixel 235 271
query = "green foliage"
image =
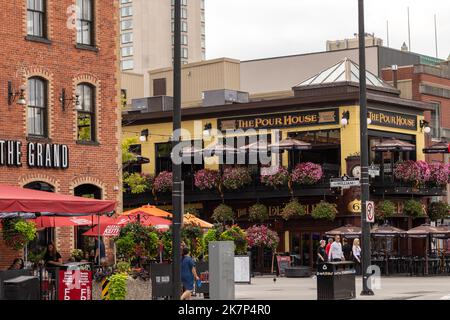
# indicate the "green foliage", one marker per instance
pixel 136 240
pixel 138 183
pixel 258 212
pixel 438 210
pixel 385 209
pixel 293 208
pixel 128 156
pixel 191 210
pixel 191 232
pixel 36 258
pixel 211 235
pixel 77 254
pixel 18 232
pixel 118 286
pixel 166 238
pixel 414 209
pixel 123 267
pixel 223 214
pixel 324 210
pixel 238 236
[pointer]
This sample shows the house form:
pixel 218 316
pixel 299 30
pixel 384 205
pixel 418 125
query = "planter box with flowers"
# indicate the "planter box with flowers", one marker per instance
pixel 420 174
pixel 276 179
pixel 236 178
pixel 307 173
pixel 163 182
pixel 207 179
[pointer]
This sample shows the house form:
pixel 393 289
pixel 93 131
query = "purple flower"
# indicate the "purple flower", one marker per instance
pixel 307 173
pixel 207 179
pixel 163 182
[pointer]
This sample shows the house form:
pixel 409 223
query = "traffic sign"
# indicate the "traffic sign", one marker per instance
pixel 374 171
pixel 370 211
pixel 344 182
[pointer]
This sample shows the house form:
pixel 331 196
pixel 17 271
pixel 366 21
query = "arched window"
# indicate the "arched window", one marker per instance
pixel 39 185
pixel 37 107
pixel 86 113
pixel 88 191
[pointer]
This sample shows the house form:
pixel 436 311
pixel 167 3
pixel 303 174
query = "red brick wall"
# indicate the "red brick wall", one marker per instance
pixel 63 65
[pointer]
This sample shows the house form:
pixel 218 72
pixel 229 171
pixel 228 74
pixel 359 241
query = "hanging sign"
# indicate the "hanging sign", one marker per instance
pixel 370 211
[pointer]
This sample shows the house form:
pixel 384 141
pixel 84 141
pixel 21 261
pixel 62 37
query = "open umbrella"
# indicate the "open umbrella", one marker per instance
pixel 104 230
pixel 145 220
pixel 386 231
pixel 258 146
pixel 290 144
pixel 190 219
pixel 393 145
pixel 52 221
pixel 218 149
pixel 147 210
pixel 347 231
pixel 440 147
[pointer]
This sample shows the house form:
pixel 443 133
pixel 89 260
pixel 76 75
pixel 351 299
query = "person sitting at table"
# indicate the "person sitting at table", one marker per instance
pixel 17 264
pixel 52 257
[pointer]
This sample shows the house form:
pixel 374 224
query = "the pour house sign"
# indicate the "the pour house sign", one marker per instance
pixel 39 155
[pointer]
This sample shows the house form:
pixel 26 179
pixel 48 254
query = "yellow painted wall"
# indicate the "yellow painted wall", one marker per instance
pixel 350 137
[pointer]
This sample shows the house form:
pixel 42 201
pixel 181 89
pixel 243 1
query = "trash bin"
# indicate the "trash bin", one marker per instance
pixel 336 281
pixel 22 288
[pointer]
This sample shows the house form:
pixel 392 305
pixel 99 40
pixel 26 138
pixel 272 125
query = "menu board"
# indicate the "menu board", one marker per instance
pixel 75 285
pixel 242 269
pixel 283 262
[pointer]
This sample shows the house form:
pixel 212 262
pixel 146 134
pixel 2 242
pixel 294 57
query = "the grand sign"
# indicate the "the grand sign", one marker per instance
pixel 392 119
pixel 281 120
pixel 39 155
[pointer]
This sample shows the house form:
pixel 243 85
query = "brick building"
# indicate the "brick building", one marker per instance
pixel 61 57
pixel 429 84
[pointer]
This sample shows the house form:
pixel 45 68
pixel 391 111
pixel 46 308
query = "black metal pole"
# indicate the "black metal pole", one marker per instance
pixel 176 166
pixel 365 227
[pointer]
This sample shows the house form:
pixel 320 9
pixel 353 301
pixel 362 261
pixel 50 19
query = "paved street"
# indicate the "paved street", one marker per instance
pixel 392 288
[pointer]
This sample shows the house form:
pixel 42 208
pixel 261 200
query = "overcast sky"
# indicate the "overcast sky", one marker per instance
pixel 251 29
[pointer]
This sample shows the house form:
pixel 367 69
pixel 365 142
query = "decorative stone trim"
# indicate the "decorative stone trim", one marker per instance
pixel 88 180
pixel 96 83
pixel 34 177
pixel 35 71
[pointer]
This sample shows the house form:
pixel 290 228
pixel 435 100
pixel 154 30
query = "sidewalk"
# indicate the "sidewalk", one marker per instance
pixel 392 288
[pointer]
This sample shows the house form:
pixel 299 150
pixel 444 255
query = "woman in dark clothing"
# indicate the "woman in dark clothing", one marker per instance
pixel 321 253
pixel 52 257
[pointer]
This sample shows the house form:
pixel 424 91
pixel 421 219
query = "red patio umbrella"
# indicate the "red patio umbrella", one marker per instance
pixel 106 230
pixel 15 200
pixel 52 221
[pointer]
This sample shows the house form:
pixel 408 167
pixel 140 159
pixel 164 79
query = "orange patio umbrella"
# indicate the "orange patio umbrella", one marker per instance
pixel 190 219
pixel 147 210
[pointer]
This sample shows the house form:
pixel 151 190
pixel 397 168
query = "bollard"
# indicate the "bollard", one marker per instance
pixel 105 289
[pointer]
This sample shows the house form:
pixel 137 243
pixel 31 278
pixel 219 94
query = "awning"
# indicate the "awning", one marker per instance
pixel 52 221
pixel 440 147
pixel 16 200
pixel 393 145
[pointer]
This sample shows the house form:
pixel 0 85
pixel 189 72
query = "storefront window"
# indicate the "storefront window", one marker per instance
pixel 162 157
pixel 325 150
pixel 137 150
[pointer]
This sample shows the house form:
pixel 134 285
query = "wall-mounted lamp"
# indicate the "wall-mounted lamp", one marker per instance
pixel 144 135
pixel 207 130
pixel 12 95
pixel 425 126
pixel 345 118
pixel 65 101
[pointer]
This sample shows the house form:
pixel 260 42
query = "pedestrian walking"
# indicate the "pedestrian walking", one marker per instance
pixel 188 274
pixel 327 248
pixel 356 252
pixel 321 254
pixel 336 253
pixel 347 249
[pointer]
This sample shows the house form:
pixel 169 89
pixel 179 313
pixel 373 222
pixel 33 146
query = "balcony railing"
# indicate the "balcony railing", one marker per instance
pixel 390 185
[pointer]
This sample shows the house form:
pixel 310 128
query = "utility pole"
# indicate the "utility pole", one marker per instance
pixel 177 189
pixel 436 35
pixel 365 227
pixel 409 32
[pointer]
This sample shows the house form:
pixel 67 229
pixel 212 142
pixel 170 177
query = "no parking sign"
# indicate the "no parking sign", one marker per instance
pixel 370 211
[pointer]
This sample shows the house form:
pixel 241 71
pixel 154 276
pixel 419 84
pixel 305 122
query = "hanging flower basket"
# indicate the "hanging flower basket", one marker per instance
pixel 238 236
pixel 236 178
pixel 207 179
pixel 276 180
pixel 438 210
pixel 324 210
pixel 385 209
pixel 138 182
pixel 18 232
pixel 307 173
pixel 261 236
pixel 414 209
pixel 293 208
pixel 258 212
pixel 417 172
pixel 163 182
pixel 223 214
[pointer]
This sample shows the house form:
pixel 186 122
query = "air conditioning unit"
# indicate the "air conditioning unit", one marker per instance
pixel 152 104
pixel 223 96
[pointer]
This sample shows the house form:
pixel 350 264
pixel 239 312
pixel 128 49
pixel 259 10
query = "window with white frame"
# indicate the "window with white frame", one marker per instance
pixel 126 24
pixel 127 37
pixel 127 51
pixel 126 11
pixel 127 64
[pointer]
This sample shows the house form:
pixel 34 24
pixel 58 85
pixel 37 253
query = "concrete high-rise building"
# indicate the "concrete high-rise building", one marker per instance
pixel 146 34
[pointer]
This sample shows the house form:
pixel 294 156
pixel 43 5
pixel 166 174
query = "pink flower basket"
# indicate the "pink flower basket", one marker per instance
pixel 307 173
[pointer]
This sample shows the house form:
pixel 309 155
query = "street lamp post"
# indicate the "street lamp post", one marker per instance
pixel 365 227
pixel 177 189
